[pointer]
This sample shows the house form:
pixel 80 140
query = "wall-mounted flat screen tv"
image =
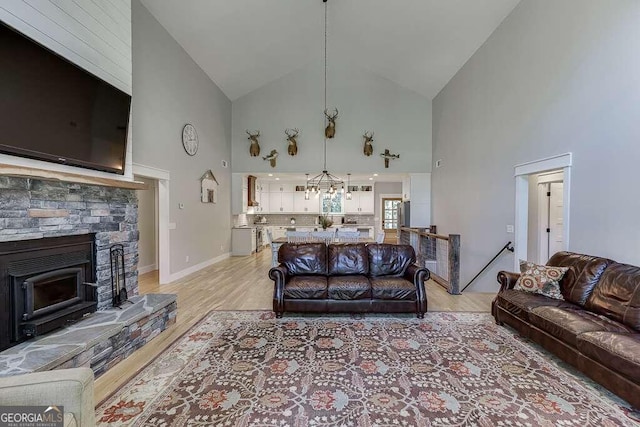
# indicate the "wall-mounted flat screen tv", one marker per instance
pixel 52 110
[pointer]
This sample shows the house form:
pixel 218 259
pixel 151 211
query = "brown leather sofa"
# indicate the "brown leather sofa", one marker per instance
pixel 596 327
pixel 353 278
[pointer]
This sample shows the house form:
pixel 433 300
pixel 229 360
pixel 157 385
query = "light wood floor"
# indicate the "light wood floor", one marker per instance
pixel 238 283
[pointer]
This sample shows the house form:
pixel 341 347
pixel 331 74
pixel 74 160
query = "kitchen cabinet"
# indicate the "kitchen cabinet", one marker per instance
pixel 243 241
pixel 362 202
pixel 300 205
pixel 262 197
pixel 280 202
pixel 279 232
pixel 284 187
pixel 240 193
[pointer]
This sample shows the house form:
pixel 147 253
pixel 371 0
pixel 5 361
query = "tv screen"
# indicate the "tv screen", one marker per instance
pixel 52 110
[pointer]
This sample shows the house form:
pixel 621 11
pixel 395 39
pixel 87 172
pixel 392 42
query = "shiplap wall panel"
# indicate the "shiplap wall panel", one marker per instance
pixel 99 29
pixel 94 35
pixel 122 31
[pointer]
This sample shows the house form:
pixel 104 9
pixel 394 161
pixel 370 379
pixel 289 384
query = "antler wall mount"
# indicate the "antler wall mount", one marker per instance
pixel 292 138
pixel 368 146
pixel 254 148
pixel 330 130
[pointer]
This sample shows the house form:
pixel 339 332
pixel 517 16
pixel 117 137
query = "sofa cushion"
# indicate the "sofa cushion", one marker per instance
pixel 567 324
pixel 306 287
pixel 347 259
pixel 520 303
pixel 617 294
pixel 348 287
pixel 583 274
pixel 540 279
pixel 303 259
pixel 619 352
pixel 389 260
pixel 395 288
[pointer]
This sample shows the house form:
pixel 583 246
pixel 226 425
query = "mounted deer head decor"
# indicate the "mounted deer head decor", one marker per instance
pixel 388 156
pixel 254 148
pixel 330 130
pixel 272 158
pixel 368 146
pixel 292 149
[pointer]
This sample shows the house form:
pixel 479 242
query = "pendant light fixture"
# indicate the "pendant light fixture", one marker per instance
pixel 348 195
pixel 325 182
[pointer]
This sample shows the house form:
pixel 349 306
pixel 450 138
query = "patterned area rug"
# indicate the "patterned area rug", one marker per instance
pixel 450 369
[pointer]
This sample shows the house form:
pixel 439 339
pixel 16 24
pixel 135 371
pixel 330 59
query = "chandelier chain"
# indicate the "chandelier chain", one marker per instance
pixel 325 78
pixel 325 180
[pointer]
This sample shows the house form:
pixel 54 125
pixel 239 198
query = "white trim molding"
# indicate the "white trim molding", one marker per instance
pixel 560 161
pixel 147 269
pixel 521 173
pixel 194 268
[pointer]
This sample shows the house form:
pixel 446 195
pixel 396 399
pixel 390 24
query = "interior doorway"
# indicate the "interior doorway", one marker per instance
pixel 546 215
pixel 161 179
pixel 531 179
pixel 390 218
pixel 147 226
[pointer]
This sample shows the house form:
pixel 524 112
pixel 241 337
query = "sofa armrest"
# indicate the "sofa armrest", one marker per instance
pixel 279 276
pixel 507 280
pixel 71 388
pixel 417 276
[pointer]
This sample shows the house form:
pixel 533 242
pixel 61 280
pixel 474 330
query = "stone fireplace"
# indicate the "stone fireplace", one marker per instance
pixel 34 211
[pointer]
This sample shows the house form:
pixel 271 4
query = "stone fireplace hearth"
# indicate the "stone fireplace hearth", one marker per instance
pixel 35 209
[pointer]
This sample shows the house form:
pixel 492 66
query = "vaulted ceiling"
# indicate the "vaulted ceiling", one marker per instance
pixel 245 44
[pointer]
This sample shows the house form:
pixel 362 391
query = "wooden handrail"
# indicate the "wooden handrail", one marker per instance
pixel 425 234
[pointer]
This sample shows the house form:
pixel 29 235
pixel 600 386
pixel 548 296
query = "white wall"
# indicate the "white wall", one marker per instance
pixel 401 120
pixel 169 91
pixel 556 76
pixel 95 35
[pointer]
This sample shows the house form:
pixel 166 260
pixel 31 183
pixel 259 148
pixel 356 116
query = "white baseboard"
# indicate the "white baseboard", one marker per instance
pixel 187 271
pixel 147 268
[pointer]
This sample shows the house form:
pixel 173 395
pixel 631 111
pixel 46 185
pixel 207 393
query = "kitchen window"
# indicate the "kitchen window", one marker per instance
pixel 333 204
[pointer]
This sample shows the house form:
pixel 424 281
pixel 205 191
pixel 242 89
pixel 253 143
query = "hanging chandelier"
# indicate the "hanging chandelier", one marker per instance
pixel 324 182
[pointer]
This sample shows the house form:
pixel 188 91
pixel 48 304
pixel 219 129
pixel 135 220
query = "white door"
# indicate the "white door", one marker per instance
pixel 556 223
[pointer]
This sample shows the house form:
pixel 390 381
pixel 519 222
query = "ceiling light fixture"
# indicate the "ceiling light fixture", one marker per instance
pixel 348 196
pixel 306 188
pixel 325 182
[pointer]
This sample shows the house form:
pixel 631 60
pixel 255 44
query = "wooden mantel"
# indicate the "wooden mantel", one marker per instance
pixel 47 175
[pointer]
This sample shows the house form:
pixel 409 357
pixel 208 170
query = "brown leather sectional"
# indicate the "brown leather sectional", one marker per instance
pixel 596 327
pixel 352 278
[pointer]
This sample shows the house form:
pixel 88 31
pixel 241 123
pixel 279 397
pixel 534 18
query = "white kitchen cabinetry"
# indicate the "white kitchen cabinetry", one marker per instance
pixel 280 202
pixel 420 213
pixel 280 198
pixel 262 197
pixel 240 193
pixel 243 241
pixel 362 202
pixel 300 205
pixel 284 187
pixel 279 232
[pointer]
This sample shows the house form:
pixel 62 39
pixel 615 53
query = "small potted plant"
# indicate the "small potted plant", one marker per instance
pixel 325 222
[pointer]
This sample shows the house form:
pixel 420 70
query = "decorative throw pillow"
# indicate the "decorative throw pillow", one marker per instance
pixel 540 279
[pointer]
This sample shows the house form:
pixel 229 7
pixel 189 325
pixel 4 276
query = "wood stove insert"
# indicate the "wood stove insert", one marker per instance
pixel 44 284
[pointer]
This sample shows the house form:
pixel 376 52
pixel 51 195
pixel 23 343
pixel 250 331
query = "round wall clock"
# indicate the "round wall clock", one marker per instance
pixel 190 139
